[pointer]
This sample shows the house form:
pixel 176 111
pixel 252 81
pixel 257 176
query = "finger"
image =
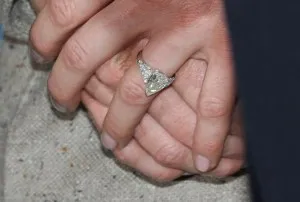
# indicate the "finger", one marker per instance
pixel 176 117
pixel 38 5
pixel 111 72
pixel 95 109
pixel 133 155
pixel 80 56
pixel 234 148
pixel 55 23
pixel 164 109
pixel 179 120
pixel 167 151
pixel 188 86
pixel 227 167
pixel 151 130
pixel 214 108
pixel 168 108
pixel 99 91
pixel 189 75
pixel 189 81
pixel 130 102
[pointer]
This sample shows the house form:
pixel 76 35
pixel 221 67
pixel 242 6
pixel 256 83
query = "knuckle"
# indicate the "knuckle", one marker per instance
pixel 111 75
pixel 141 131
pixel 132 92
pixel 114 76
pixel 170 154
pixel 113 128
pixel 36 42
pixel 75 55
pixel 213 108
pixel 62 12
pixel 106 75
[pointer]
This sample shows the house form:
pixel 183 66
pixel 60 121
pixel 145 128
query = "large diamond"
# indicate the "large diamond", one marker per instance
pixel 145 70
pixel 156 82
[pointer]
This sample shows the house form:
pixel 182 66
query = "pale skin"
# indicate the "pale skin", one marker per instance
pixel 192 118
pixel 170 139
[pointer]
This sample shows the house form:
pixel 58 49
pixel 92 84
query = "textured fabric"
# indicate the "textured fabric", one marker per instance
pixel 48 159
pixel 16 16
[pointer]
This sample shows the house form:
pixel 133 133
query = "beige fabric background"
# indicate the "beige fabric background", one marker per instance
pixel 48 159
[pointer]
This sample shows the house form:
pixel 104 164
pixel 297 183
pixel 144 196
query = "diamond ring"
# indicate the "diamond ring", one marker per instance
pixel 155 81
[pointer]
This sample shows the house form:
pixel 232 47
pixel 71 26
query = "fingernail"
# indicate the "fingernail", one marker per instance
pixel 37 57
pixel 57 107
pixel 107 141
pixel 202 163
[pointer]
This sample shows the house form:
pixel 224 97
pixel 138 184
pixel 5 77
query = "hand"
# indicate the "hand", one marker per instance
pixel 161 148
pixel 114 26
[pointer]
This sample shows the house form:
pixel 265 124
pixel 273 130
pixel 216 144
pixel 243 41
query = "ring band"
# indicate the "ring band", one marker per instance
pixel 155 80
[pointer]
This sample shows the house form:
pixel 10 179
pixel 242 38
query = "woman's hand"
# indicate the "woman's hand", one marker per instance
pixel 177 31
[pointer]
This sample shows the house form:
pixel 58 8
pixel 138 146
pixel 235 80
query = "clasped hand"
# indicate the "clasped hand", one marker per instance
pixel 193 126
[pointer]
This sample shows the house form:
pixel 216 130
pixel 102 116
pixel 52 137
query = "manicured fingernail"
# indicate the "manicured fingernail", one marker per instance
pixel 107 141
pixel 202 163
pixel 37 57
pixel 57 107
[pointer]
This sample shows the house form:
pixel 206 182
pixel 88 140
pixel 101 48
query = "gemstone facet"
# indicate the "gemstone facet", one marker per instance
pixel 157 82
pixel 154 80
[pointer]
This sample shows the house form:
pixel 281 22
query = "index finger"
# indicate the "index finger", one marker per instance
pixel 94 43
pixel 55 22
